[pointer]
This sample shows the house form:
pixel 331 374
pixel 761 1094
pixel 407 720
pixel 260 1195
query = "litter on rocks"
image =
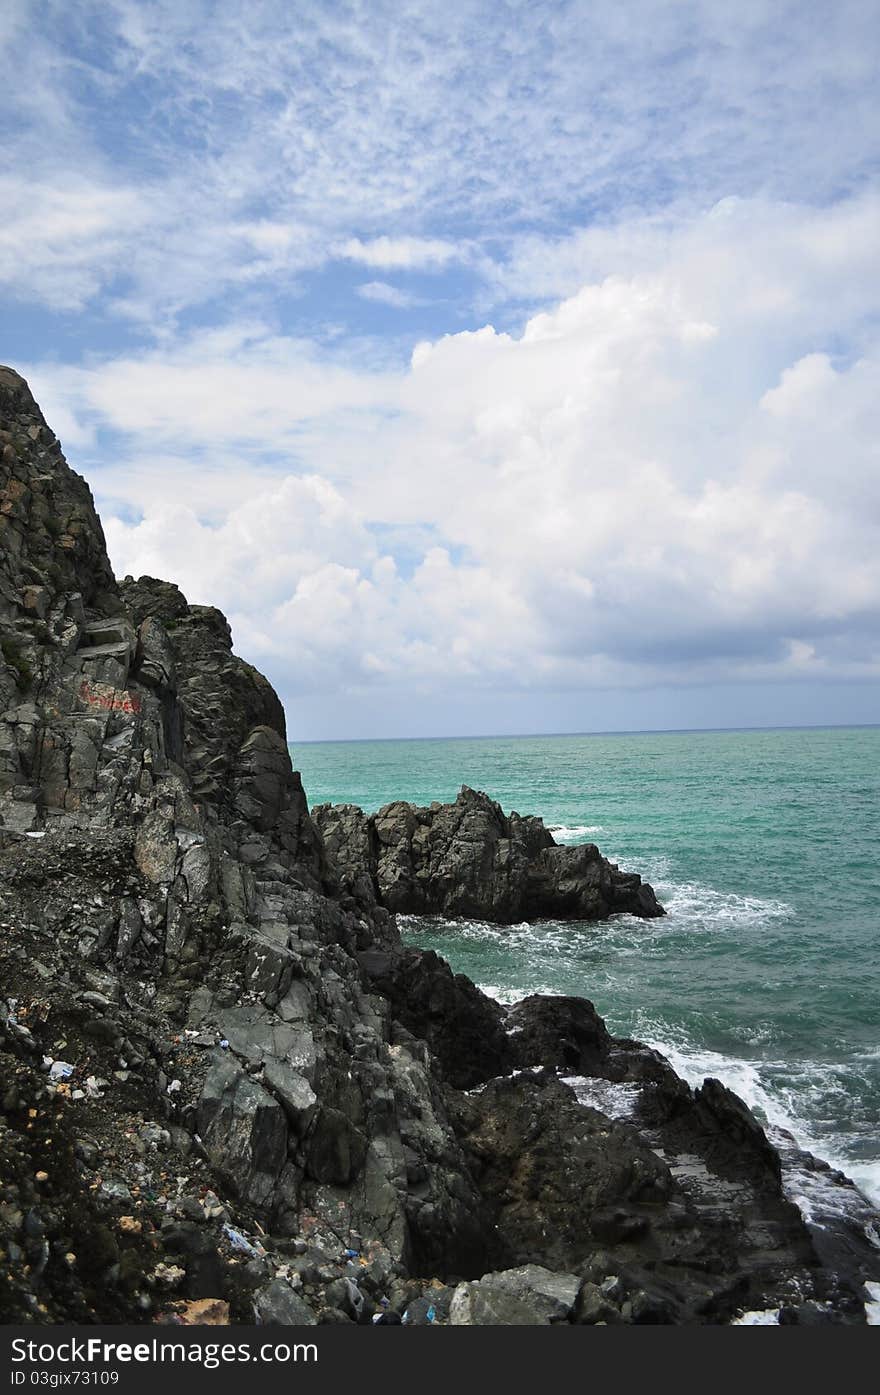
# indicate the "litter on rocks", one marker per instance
pixel 61 1070
pixel 242 1243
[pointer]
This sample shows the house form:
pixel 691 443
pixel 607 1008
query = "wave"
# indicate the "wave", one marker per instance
pixel 509 996
pixel 692 902
pixel 565 834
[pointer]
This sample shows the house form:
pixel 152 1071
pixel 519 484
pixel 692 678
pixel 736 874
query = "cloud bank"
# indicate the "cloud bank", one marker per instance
pixel 669 477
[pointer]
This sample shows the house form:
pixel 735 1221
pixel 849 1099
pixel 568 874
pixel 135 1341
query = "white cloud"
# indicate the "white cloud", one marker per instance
pixel 60 242
pixel 400 253
pixel 386 294
pixel 667 477
pixel 265 137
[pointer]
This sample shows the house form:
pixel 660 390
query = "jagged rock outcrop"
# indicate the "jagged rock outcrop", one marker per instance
pixel 466 1031
pixel 471 859
pixel 229 1093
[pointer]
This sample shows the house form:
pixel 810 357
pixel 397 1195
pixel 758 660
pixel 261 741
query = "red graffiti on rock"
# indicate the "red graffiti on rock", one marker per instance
pixel 110 699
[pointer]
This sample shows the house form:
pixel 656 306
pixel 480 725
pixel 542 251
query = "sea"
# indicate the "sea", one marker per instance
pixel 763 847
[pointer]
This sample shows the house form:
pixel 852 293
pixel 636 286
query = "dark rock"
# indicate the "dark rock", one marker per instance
pixel 545 1166
pixel 471 859
pixel 244 1132
pixel 464 1029
pixel 556 1031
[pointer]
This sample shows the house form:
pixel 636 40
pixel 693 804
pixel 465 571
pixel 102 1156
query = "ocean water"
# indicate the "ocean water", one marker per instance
pixel 763 847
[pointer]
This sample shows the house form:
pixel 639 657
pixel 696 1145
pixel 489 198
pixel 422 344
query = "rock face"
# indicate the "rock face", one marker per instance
pixel 471 859
pixel 228 1093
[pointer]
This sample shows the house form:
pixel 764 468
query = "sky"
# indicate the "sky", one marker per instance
pixel 495 367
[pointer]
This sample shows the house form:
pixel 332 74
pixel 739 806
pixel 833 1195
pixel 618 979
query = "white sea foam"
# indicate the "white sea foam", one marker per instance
pixel 765 1317
pixel 508 996
pixel 617 1100
pixel 563 834
pixel 866 1177
pixel 872 1307
pixel 692 901
pixel 695 903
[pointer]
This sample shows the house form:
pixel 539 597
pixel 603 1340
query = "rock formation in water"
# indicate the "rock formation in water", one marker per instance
pixel 229 1093
pixel 469 858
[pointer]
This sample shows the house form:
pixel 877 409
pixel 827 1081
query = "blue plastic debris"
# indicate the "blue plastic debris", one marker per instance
pixel 241 1242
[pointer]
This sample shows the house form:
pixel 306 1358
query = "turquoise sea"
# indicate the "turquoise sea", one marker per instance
pixel 762 845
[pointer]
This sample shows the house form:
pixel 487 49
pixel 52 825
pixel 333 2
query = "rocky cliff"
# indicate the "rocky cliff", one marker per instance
pixel 227 1092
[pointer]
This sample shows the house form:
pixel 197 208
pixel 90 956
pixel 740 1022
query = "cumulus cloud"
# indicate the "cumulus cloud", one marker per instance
pixel 667 477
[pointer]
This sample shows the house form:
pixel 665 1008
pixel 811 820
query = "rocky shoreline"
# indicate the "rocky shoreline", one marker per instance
pixel 228 1093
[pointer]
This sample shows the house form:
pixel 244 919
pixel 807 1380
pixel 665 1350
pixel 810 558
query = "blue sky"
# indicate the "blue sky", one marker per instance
pixel 495 367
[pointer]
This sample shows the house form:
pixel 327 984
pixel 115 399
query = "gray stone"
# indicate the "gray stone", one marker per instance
pixel 278 1305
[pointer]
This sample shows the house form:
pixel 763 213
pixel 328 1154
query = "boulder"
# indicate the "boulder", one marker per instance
pixel 277 1305
pixel 529 1296
pixel 546 1166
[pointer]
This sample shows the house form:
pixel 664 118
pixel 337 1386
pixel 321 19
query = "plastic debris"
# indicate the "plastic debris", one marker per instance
pixel 61 1070
pixel 242 1243
pixel 225 1044
pixel 173 1087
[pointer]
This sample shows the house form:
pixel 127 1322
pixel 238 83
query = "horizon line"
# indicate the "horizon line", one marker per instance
pixel 615 731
